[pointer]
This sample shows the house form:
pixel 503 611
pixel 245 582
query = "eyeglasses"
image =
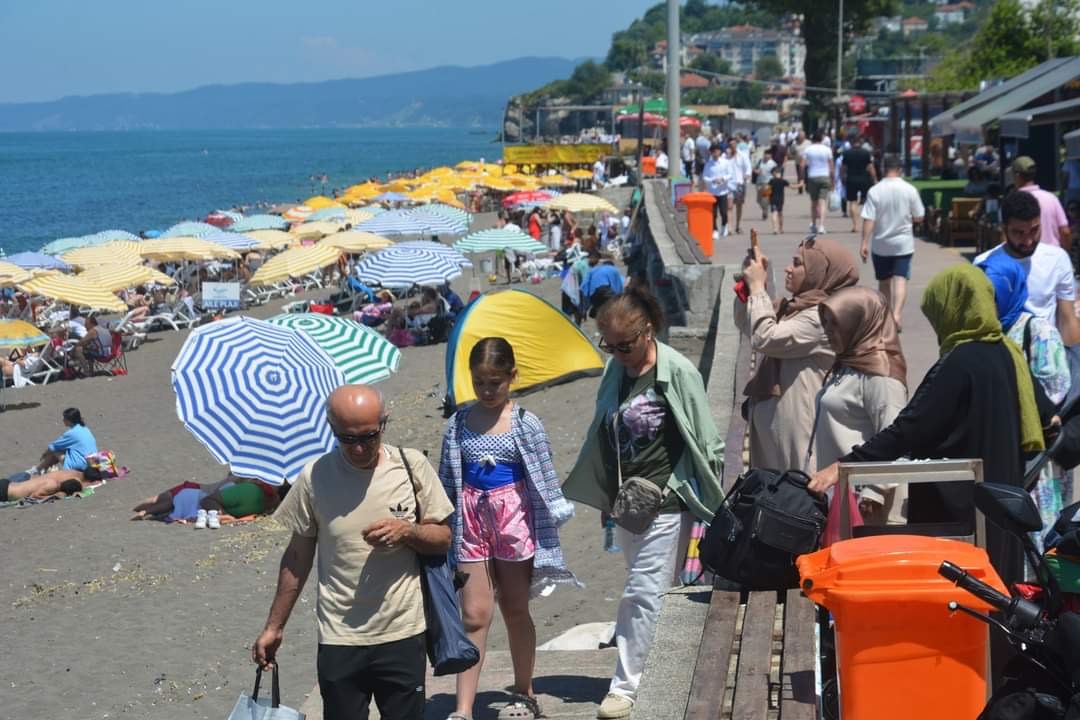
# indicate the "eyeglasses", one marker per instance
pixel 622 348
pixel 364 439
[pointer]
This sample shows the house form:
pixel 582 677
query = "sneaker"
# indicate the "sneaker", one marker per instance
pixel 614 707
pixel 213 521
pixel 200 520
pixel 726 231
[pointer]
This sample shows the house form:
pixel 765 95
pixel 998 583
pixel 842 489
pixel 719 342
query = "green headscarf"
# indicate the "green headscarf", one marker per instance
pixel 959 303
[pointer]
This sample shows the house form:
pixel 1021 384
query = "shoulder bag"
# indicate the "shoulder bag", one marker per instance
pixel 638 501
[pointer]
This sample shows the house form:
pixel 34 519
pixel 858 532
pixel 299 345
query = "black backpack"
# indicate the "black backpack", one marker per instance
pixel 767 519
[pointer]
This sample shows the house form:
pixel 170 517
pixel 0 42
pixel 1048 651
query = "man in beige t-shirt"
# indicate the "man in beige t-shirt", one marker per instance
pixel 357 508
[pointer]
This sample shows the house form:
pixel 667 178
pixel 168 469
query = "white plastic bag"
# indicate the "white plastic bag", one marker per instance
pixel 834 200
pixel 250 707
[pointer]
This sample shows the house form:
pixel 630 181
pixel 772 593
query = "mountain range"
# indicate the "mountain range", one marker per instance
pixel 450 96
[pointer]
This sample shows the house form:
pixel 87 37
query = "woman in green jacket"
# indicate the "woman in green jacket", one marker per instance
pixel 652 419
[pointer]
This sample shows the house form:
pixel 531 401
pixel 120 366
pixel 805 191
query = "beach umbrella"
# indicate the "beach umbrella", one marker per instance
pixel 395 267
pixel 295 262
pixel 298 213
pixel 390 197
pixel 122 277
pixel 117 252
pixel 19 333
pixel 255 394
pixel 259 222
pixel 497 239
pixel 232 240
pixel 557 181
pixel 73 291
pixel 271 239
pixel 355 217
pixel 12 274
pixel 190 229
pixel 99 238
pixel 223 218
pixel 432 247
pixel 315 229
pixel 413 222
pixel 333 214
pixel 35 260
pixel 363 355
pixel 455 213
pixel 320 202
pixel 184 248
pixel 581 202
pixel 580 174
pixel 356 241
pixel 529 197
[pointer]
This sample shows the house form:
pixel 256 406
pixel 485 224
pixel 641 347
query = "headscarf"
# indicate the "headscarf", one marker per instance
pixel 959 303
pixel 866 333
pixel 1010 286
pixel 829 267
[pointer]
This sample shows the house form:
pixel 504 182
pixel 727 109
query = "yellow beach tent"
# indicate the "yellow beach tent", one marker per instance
pixel 548 347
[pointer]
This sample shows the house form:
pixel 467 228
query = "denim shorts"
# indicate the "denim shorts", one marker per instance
pixel 887 266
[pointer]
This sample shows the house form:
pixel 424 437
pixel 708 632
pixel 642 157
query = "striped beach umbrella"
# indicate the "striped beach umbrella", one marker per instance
pixel 497 239
pixel 191 228
pixel 271 239
pixel 354 241
pixel 122 277
pixel 298 213
pixel 19 333
pixel 438 248
pixel 12 274
pixel 232 240
pixel 37 261
pixel 363 355
pixel 73 291
pixel 449 211
pixel 334 214
pixel 255 394
pixel 295 262
pixel 395 267
pixel 259 222
pixel 581 202
pixel 122 252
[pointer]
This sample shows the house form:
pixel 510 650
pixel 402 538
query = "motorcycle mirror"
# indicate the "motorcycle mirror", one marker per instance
pixel 1009 507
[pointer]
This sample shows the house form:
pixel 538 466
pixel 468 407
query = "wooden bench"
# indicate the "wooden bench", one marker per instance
pixel 756 660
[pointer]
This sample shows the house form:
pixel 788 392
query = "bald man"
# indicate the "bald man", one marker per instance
pixel 368 520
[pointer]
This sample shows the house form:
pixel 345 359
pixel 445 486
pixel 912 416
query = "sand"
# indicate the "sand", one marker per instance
pixel 111 618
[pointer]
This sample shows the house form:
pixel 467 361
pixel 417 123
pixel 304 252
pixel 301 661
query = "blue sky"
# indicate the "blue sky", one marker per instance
pixel 53 48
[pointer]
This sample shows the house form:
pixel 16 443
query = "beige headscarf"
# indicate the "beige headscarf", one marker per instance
pixel 866 333
pixel 829 267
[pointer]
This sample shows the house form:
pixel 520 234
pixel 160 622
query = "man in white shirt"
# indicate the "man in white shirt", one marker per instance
pixel 719 176
pixel 687 154
pixel 1051 288
pixel 702 148
pixel 742 172
pixel 817 167
pixel 598 173
pixel 662 163
pixel 891 209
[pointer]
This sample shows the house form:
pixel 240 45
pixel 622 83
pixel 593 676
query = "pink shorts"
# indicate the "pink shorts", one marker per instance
pixel 495 524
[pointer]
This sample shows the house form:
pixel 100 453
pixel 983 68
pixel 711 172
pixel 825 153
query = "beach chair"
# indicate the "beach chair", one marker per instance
pixel 49 364
pixel 115 363
pixel 134 332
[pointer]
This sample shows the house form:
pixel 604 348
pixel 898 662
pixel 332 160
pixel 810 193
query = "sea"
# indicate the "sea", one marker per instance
pixel 55 185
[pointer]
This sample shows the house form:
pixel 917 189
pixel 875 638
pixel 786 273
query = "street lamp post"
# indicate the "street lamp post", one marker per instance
pixel 839 49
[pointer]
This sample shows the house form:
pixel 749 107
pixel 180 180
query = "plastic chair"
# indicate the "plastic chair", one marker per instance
pixel 115 363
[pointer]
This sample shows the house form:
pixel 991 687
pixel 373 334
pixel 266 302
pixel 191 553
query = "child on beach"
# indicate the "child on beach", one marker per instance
pixel 776 198
pixel 496 467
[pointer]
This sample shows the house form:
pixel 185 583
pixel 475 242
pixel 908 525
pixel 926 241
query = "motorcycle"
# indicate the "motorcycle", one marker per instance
pixel 1043 679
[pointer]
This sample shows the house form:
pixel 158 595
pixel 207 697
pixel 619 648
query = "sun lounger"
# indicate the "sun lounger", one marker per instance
pixel 133 331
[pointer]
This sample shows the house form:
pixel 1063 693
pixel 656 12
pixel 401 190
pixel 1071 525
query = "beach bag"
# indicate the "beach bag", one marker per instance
pixel 448 648
pixel 767 520
pixel 101 466
pixel 250 707
pixel 638 501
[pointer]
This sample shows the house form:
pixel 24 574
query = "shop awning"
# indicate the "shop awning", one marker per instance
pixel 967 119
pixel 1018 124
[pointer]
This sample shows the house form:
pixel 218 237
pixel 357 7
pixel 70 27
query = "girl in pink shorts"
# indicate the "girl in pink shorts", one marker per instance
pixel 496 467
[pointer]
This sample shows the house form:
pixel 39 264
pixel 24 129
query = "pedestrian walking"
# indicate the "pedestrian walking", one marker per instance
pixel 740 161
pixel 687 154
pixel 892 208
pixel 776 187
pixel 359 510
pixel 817 164
pixel 858 175
pixel 719 178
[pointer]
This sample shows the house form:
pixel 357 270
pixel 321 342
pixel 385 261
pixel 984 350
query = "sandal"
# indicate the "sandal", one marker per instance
pixel 521 707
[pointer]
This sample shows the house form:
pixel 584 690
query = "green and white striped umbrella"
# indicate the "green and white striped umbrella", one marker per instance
pixel 499 239
pixel 362 355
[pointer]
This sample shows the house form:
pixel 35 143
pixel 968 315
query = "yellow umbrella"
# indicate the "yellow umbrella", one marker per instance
pixel 299 213
pixel 125 252
pixel 356 241
pixel 122 277
pixel 319 202
pixel 468 165
pixel 271 239
pixel 19 333
pixel 315 229
pixel 74 291
pixel 184 248
pixel 580 202
pixel 296 262
pixel 580 174
pixel 557 181
pixel 355 217
pixel 12 274
pixel 448 198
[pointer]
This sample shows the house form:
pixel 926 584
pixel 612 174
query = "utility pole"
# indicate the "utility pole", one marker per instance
pixel 839 49
pixel 674 94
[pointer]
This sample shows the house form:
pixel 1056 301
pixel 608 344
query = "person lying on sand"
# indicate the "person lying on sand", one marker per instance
pixel 61 482
pixel 233 496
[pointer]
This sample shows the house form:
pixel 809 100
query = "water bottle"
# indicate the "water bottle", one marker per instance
pixel 609 535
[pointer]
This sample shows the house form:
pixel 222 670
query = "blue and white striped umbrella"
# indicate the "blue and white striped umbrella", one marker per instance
pixel 36 261
pixel 259 222
pixel 232 240
pixel 396 267
pixel 255 395
pixel 449 211
pixel 412 222
pixel 330 213
pixel 391 197
pixel 191 228
pixel 438 248
pixel 99 238
pixel 442 223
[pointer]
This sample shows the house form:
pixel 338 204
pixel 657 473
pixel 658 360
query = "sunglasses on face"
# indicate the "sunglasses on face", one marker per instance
pixel 364 439
pixel 621 348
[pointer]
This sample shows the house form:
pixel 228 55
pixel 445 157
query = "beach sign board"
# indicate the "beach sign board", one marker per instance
pixel 221 295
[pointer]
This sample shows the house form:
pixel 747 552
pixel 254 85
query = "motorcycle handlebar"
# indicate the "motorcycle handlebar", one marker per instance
pixel 976 587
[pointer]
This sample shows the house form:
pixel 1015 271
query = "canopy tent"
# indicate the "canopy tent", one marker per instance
pixel 122 277
pixel 73 291
pixel 355 241
pixel 296 262
pixel 581 202
pixel 548 347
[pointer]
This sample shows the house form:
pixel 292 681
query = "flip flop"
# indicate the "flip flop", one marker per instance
pixel 521 707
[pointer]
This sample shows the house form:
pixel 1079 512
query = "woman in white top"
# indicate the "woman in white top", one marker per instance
pixel 864 391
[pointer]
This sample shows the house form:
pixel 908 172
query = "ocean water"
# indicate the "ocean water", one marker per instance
pixel 55 185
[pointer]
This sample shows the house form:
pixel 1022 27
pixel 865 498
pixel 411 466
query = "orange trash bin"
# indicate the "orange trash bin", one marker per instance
pixel 648 166
pixel 900 653
pixel 699 218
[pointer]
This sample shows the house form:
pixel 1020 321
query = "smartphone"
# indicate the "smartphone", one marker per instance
pixel 755 244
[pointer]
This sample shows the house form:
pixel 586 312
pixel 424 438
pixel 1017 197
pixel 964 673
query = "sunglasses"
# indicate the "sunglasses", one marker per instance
pixel 622 348
pixel 364 439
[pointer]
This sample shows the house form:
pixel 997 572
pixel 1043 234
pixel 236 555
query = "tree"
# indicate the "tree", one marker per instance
pixel 654 80
pixel 587 81
pixel 707 62
pixel 768 67
pixel 746 95
pixel 625 53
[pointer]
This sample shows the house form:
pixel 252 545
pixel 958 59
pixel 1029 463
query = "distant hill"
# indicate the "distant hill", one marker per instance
pixel 444 96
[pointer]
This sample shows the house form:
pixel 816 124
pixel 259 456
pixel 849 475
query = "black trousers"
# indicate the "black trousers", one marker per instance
pixel 393 673
pixel 720 209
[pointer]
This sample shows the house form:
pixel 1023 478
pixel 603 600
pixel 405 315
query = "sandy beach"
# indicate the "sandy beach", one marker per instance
pixel 111 618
